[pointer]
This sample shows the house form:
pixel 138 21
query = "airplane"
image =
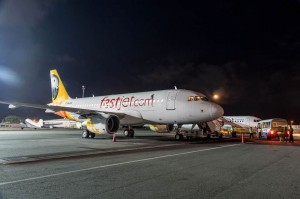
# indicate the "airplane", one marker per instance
pixel 62 123
pixel 243 121
pixel 55 123
pixel 20 125
pixel 33 124
pixel 105 114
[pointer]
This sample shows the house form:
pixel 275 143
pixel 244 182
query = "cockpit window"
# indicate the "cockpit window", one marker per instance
pixel 197 98
pixel 204 98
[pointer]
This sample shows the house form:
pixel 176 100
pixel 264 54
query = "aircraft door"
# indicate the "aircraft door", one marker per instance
pixel 171 100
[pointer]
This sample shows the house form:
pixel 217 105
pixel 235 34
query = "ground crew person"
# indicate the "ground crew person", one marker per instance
pixel 251 133
pixel 291 134
pixel 283 135
pixel 258 132
pixel 233 133
pixel 286 135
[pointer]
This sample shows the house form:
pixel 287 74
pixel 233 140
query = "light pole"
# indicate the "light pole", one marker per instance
pixel 83 87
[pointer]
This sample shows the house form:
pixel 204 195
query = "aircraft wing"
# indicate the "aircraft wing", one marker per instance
pixel 55 108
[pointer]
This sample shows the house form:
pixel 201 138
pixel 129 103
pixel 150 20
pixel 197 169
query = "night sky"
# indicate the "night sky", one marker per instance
pixel 248 52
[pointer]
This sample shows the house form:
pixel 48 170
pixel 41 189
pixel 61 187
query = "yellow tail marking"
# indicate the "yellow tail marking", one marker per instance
pixel 59 93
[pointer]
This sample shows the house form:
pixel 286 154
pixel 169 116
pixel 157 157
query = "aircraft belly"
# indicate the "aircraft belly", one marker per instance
pixel 163 116
pixel 128 120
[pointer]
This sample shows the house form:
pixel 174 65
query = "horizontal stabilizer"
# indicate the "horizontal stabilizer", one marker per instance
pixel 49 111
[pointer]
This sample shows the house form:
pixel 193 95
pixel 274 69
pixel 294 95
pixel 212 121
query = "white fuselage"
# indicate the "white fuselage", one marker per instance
pixel 245 121
pixel 161 107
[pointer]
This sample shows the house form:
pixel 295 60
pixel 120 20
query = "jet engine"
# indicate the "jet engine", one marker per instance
pixel 161 128
pixel 102 124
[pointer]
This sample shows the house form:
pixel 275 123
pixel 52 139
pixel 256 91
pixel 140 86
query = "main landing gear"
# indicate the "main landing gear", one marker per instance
pixel 87 134
pixel 178 137
pixel 128 132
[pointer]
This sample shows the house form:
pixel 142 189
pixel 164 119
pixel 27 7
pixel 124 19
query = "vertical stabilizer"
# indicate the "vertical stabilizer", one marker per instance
pixel 59 93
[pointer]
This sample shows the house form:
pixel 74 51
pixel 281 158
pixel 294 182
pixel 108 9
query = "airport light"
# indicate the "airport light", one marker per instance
pixel 216 97
pixel 83 87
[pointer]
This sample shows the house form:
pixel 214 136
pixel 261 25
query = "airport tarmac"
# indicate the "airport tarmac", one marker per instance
pixel 60 164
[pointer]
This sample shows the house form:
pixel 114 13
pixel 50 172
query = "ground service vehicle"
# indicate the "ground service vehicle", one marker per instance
pixel 273 128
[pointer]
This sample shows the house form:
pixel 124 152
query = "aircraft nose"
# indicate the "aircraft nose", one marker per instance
pixel 216 111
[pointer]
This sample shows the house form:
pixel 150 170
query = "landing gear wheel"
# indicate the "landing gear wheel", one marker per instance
pixel 178 137
pixel 85 134
pixel 93 135
pixel 131 133
pixel 126 132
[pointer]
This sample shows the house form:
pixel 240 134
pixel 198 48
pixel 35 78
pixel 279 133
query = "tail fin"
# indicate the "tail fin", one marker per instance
pixel 59 93
pixel 41 123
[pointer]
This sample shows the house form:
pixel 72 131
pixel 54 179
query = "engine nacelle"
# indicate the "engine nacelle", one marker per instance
pixel 161 128
pixel 102 124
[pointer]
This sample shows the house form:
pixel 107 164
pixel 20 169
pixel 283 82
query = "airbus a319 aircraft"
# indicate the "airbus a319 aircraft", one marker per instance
pixel 106 114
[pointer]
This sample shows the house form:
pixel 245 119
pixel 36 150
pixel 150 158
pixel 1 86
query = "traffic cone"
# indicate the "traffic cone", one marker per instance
pixel 243 138
pixel 114 137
